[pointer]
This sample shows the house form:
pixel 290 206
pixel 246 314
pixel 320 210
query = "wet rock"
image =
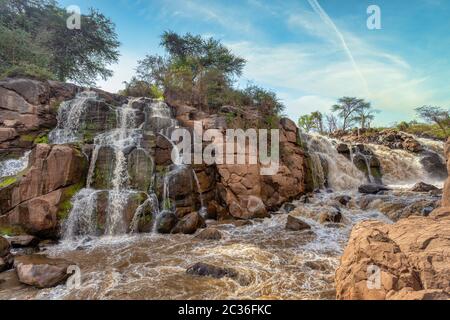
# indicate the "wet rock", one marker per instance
pixel 40 271
pixel 446 191
pixel 344 200
pixel 423 187
pixel 24 241
pixel 104 168
pixel 433 165
pixel 209 270
pixel 209 234
pixel 372 188
pixel 332 215
pixel 165 221
pixel 140 168
pixel 4 247
pixel 189 224
pixel 287 207
pixel 295 224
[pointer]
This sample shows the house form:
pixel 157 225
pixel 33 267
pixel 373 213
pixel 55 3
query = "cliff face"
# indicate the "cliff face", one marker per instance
pixel 406 260
pixel 38 198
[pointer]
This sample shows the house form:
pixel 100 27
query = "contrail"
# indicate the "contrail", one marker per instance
pixel 325 18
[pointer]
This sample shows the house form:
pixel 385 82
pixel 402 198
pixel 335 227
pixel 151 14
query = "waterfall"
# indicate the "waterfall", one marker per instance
pixel 69 114
pixel 82 218
pixel 11 167
pixel 342 173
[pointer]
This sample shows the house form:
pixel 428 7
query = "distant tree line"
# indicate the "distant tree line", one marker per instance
pixel 347 114
pixel 35 42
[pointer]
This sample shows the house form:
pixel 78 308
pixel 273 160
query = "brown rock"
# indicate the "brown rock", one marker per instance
pixel 23 241
pixel 4 247
pixel 209 234
pixel 413 254
pixel 41 271
pixel 423 187
pixel 189 224
pixel 296 224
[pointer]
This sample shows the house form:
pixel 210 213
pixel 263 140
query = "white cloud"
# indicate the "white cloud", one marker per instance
pixel 123 71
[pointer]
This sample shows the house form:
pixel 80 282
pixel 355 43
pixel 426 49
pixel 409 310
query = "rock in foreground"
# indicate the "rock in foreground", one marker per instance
pixel 40 271
pixel 5 256
pixel 411 257
pixel 423 187
pixel 209 234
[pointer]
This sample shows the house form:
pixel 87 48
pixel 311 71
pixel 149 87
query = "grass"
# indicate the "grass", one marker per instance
pixel 41 139
pixel 11 231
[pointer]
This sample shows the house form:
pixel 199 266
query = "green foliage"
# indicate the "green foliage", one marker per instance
pixel 35 41
pixel 7 181
pixel 312 121
pixel 66 204
pixel 11 231
pixel 140 88
pixel 41 139
pixel 426 130
pixel 436 115
pixel 353 110
pixel 27 138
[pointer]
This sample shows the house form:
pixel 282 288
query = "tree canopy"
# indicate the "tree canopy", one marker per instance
pixel 436 115
pixel 202 71
pixel 45 47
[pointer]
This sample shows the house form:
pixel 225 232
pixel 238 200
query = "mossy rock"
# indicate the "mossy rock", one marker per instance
pixel 140 170
pixel 104 168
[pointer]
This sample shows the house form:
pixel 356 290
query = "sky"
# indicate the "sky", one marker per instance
pixel 310 52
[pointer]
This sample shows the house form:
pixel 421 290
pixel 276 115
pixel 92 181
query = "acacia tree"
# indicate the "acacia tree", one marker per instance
pixel 312 121
pixel 347 109
pixel 365 115
pixel 437 115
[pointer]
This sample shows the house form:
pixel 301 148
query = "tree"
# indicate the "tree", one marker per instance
pixel 78 55
pixel 437 115
pixel 365 115
pixel 311 121
pixel 346 109
pixel 332 123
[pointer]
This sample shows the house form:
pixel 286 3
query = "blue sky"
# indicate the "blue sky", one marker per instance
pixel 292 48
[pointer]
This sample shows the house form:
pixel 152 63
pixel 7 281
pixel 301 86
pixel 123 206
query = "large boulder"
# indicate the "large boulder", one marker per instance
pixel 446 193
pixel 385 261
pixel 209 234
pixel 40 271
pixel 204 269
pixel 165 221
pixel 433 165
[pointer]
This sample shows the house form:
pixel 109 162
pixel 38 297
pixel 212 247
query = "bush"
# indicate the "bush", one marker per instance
pixel 28 71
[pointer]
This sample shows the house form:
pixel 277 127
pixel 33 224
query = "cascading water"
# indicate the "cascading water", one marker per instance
pixel 69 114
pixel 342 173
pixel 11 167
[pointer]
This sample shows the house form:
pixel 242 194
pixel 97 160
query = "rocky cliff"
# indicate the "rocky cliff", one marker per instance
pixel 117 149
pixel 406 260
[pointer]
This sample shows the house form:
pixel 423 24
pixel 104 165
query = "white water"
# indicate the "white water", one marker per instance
pixel 342 173
pixel 69 114
pixel 11 167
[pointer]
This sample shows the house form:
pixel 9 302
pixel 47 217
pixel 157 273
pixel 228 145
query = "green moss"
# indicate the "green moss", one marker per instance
pixel 41 139
pixel 66 204
pixel 27 138
pixel 11 231
pixel 7 181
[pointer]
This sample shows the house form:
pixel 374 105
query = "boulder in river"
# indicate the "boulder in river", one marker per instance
pixel 296 224
pixel 209 270
pixel 423 187
pixel 6 258
pixel 372 188
pixel 165 221
pixel 189 224
pixel 40 271
pixel 344 200
pixel 209 234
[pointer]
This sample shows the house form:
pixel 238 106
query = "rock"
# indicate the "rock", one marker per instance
pixel 423 187
pixel 209 270
pixel 209 234
pixel 189 224
pixel 344 200
pixel 412 254
pixel 343 148
pixel 140 166
pixel 296 224
pixel 433 165
pixel 40 271
pixel 24 241
pixel 287 207
pixel 4 247
pixel 372 188
pixel 446 191
pixel 165 221
pixel 334 216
